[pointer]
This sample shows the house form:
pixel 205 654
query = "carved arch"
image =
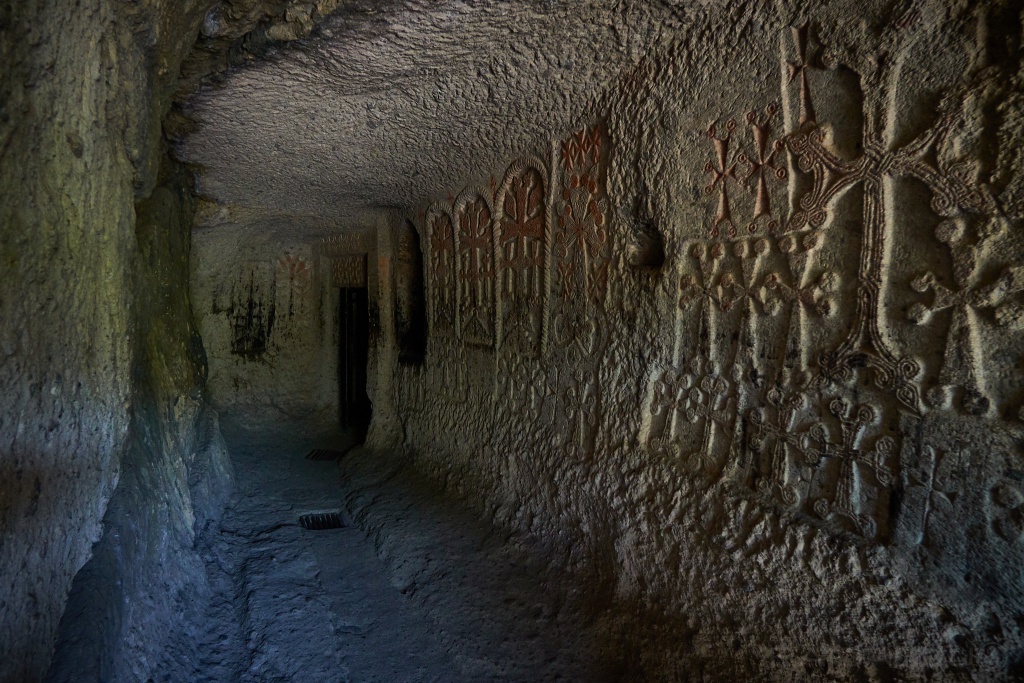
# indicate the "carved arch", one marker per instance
pixel 520 246
pixel 474 246
pixel 441 267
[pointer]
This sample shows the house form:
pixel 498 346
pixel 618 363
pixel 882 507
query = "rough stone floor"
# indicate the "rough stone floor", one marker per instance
pixel 410 590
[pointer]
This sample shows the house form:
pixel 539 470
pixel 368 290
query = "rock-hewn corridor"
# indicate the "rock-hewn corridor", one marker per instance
pixel 631 341
pixel 417 590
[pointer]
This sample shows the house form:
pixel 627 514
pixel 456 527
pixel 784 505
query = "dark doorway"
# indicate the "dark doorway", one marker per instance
pixel 353 355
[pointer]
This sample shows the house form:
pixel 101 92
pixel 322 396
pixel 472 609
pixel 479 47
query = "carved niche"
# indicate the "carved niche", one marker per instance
pixel 474 243
pixel 441 265
pixel 520 237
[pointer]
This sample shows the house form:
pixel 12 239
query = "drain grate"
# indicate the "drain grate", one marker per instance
pixel 318 521
pixel 324 454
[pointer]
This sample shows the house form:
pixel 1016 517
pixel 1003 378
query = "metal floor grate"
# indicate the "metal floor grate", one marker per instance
pixel 324 454
pixel 318 521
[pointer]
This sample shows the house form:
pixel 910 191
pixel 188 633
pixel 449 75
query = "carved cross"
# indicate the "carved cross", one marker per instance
pixel 705 291
pixel 763 164
pixel 522 230
pixel 745 289
pixel 582 238
pixel 934 489
pixel 815 297
pixel 853 420
pixel 579 398
pixel 775 434
pixel 709 405
pixel 442 259
pixel 865 344
pixel 962 360
pixel 798 71
pixel 475 245
pixel 722 170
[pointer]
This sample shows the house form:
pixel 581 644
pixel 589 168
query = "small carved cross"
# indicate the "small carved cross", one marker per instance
pixel 933 489
pixel 962 360
pixel 722 170
pixel 814 298
pixel 710 405
pixel 763 164
pixel 798 71
pixel 775 431
pixel 853 420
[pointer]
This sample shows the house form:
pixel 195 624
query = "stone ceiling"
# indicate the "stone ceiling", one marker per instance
pixel 391 103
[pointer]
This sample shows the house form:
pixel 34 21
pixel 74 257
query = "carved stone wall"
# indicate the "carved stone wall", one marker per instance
pixel 267 311
pixel 800 436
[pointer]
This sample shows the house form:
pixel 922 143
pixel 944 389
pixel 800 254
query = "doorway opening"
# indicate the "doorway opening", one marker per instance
pixel 353 357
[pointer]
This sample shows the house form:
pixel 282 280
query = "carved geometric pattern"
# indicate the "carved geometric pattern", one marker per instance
pixel 349 271
pixel 474 241
pixel 520 236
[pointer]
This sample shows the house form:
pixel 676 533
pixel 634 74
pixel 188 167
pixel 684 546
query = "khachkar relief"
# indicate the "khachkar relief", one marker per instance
pixel 580 257
pixel 793 360
pixel 441 265
pixel 521 236
pixel 474 245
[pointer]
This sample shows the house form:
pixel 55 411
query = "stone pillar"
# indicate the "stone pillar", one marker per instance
pixel 386 429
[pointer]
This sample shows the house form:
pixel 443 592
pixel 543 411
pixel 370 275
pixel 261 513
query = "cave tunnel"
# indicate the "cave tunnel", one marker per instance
pixel 518 340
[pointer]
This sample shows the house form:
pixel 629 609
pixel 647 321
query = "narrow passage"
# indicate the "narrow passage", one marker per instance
pixel 411 589
pixel 297 605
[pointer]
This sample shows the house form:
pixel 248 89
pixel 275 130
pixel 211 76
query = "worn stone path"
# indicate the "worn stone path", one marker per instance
pixel 413 589
pixel 297 605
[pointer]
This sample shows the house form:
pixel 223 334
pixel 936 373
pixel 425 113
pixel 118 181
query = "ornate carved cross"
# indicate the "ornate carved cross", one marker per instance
pixel 710 405
pixel 832 176
pixel 853 420
pixel 774 435
pixel 763 164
